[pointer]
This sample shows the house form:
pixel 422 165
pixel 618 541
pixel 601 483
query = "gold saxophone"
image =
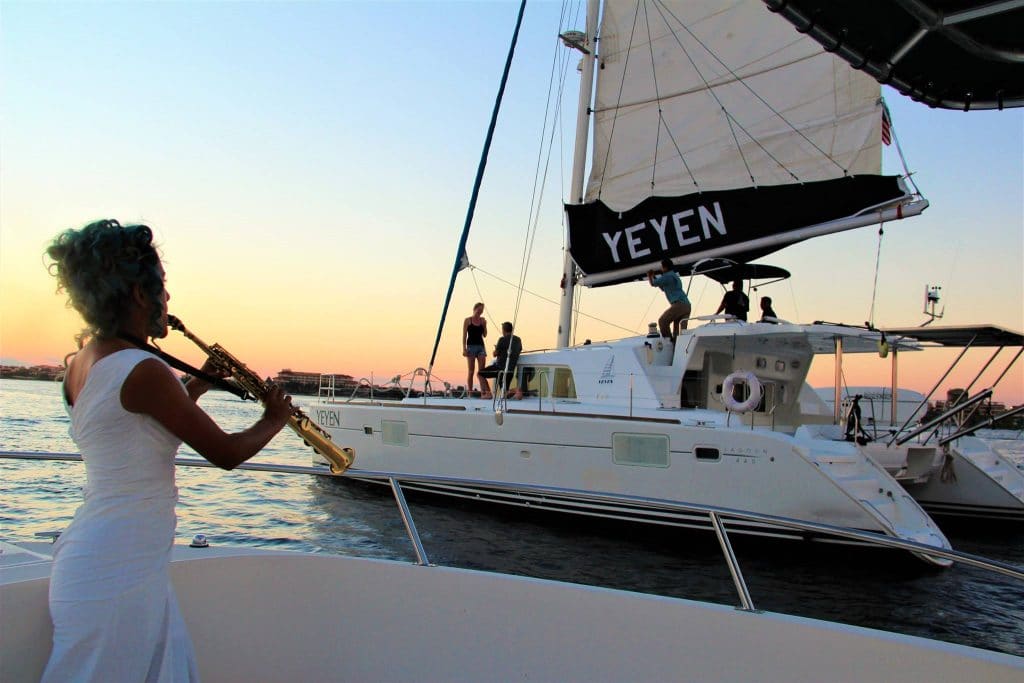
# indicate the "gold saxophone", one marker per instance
pixel 312 434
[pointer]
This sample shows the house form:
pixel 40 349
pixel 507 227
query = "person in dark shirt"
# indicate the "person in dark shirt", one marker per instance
pixel 474 329
pixel 506 355
pixel 735 302
pixel 767 311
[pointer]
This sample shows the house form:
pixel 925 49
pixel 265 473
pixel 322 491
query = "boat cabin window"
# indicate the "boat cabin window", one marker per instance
pixel 394 432
pixel 707 453
pixel 642 450
pixel 548 381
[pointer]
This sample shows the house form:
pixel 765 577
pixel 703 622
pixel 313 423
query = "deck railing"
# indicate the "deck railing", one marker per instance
pixel 718 517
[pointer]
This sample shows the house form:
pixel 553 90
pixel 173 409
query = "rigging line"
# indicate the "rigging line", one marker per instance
pixel 480 295
pixel 576 319
pixel 662 123
pixel 537 196
pixel 878 261
pixel 746 85
pixel 899 150
pixel 661 116
pixel 618 101
pixel 536 199
pixel 657 96
pixel 460 252
pixel 552 301
pixel 792 297
pixel 728 116
pixel 647 311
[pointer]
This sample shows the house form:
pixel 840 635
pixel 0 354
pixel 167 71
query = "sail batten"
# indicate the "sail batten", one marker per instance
pixel 720 113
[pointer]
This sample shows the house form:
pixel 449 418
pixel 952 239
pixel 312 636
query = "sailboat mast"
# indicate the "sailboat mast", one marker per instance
pixel 579 164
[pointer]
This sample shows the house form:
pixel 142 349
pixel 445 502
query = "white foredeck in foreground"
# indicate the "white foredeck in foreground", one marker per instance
pixel 277 616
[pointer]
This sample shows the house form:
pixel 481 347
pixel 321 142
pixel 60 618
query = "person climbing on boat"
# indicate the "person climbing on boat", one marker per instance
pixel 767 311
pixel 735 302
pixel 115 615
pixel 854 426
pixel 506 356
pixel 677 314
pixel 474 330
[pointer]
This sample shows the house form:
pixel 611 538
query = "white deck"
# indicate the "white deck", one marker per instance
pixel 278 616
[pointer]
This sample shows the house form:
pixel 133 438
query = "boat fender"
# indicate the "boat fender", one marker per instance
pixel 752 401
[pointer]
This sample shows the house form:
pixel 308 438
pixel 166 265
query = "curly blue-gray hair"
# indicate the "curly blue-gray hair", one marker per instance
pixel 99 265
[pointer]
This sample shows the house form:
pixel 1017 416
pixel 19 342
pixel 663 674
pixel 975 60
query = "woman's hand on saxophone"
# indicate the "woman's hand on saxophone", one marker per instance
pixel 277 405
pixel 196 387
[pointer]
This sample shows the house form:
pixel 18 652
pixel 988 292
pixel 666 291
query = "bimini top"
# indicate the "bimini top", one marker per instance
pixel 953 54
pixel 724 271
pixel 961 336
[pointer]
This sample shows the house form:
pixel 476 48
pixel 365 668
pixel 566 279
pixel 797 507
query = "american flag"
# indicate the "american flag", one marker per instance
pixel 886 125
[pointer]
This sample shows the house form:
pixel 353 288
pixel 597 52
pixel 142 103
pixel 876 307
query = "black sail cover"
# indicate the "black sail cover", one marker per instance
pixel 719 131
pixel 744 223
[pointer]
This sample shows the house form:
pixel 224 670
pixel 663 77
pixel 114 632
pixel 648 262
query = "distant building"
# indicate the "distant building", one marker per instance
pixel 978 413
pixel 309 383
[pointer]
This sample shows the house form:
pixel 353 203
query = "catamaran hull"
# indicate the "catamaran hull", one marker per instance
pixel 761 471
pixel 977 482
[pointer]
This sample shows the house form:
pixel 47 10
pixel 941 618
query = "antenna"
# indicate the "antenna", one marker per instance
pixel 931 300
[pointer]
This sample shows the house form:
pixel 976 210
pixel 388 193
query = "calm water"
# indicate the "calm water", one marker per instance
pixel 856 586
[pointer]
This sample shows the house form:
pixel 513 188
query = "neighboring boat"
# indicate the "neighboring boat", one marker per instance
pixel 955 474
pixel 268 615
pixel 775 141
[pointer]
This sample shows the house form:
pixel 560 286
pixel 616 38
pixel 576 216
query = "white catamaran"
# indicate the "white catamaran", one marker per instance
pixel 940 462
pixel 718 132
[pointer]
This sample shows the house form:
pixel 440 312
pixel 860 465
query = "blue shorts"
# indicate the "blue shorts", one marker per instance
pixel 475 350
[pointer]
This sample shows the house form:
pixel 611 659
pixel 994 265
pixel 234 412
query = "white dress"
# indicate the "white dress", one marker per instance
pixel 114 611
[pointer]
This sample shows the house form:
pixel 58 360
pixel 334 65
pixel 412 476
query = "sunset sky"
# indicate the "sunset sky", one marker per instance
pixel 306 168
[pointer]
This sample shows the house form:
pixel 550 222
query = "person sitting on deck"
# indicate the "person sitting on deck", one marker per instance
pixel 767 312
pixel 506 356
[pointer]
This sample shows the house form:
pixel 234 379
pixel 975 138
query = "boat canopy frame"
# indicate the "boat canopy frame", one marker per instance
pixel 949 54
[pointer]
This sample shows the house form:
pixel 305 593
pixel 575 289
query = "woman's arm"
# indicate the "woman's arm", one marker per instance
pixel 151 389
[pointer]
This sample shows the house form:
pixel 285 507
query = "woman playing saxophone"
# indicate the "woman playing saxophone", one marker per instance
pixel 114 611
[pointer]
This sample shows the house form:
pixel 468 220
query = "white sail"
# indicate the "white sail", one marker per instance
pixel 719 130
pixel 767 106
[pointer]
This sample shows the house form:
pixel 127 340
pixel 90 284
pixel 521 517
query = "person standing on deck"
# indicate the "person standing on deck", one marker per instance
pixel 675 316
pixel 474 329
pixel 114 611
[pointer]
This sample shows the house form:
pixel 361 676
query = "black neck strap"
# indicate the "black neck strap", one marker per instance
pixel 185 367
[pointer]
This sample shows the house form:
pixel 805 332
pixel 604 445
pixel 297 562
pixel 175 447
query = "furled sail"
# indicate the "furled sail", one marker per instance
pixel 720 131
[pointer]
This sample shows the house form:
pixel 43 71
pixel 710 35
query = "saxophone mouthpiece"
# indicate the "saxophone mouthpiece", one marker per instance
pixel 174 322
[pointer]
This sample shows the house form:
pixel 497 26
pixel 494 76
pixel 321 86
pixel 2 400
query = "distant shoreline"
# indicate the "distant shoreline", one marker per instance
pixel 46 373
pixel 298 384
